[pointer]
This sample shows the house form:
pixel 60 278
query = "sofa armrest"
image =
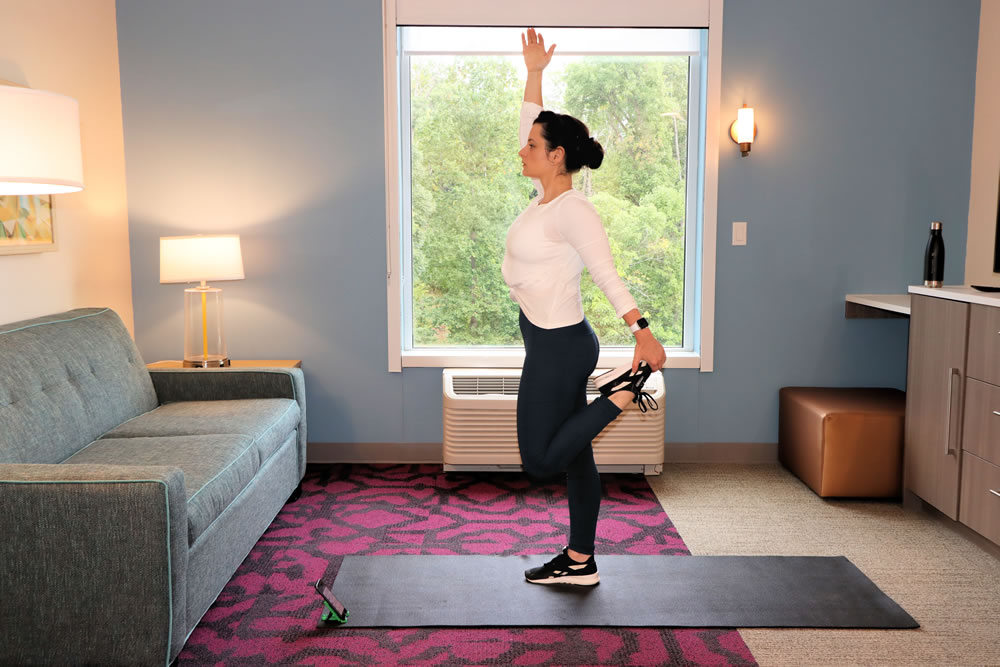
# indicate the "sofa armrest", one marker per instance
pixel 221 384
pixel 94 563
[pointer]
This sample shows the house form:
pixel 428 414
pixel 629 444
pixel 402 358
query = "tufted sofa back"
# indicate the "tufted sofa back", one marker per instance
pixel 65 380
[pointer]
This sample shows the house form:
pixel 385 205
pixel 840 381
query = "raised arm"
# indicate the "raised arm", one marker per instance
pixel 535 59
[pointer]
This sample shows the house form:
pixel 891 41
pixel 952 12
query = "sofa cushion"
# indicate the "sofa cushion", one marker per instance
pixel 216 467
pixel 267 421
pixel 65 379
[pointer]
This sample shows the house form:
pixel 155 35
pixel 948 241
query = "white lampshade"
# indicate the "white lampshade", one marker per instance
pixel 744 125
pixel 185 259
pixel 39 142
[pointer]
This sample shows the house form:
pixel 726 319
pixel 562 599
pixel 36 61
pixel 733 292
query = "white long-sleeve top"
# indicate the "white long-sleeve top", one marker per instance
pixel 548 246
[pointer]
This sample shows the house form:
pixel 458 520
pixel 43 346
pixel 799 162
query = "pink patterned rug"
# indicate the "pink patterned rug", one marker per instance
pixel 267 613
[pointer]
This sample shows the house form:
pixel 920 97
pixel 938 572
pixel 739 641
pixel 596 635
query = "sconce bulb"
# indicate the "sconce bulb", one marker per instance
pixel 743 130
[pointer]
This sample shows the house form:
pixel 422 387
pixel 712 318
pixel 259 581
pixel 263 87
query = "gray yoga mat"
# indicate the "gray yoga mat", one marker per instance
pixel 635 591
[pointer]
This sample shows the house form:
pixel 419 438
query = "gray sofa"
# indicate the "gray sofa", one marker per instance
pixel 128 498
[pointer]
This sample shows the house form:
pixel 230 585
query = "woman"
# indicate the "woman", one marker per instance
pixel 548 245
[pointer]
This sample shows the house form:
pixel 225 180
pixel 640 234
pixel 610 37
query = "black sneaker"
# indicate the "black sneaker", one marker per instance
pixel 564 570
pixel 622 379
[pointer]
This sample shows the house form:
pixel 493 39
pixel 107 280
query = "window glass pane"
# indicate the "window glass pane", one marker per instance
pixel 463 187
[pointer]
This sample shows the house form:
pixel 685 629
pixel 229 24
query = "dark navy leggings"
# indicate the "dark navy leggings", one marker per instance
pixel 555 425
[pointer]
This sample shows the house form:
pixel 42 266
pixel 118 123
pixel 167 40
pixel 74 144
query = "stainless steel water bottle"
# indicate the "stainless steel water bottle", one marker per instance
pixel 934 258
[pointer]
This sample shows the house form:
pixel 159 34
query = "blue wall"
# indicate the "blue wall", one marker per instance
pixel 264 118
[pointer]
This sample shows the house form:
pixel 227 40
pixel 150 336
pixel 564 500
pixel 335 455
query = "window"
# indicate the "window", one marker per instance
pixel 457 185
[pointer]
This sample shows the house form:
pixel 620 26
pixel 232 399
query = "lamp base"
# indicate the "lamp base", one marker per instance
pixel 204 343
pixel 220 362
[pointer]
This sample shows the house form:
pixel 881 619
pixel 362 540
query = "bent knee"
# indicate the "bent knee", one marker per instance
pixel 542 475
pixel 537 469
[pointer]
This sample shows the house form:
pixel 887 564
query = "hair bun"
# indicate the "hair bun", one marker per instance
pixel 582 150
pixel 595 154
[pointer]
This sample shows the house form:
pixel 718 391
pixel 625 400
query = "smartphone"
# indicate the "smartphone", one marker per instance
pixel 335 609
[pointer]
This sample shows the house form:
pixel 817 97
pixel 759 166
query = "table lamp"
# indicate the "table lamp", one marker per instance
pixel 186 259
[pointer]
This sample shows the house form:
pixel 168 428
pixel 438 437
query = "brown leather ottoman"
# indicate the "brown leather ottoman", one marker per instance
pixel 843 442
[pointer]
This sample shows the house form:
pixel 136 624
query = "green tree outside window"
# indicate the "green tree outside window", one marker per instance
pixel 467 189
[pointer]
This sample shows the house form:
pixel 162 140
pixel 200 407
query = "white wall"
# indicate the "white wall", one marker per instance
pixel 985 152
pixel 72 48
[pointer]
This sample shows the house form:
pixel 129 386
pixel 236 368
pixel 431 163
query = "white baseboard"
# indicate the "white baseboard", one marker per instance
pixel 430 452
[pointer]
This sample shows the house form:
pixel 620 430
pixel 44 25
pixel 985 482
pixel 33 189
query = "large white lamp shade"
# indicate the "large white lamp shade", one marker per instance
pixel 203 257
pixel 39 142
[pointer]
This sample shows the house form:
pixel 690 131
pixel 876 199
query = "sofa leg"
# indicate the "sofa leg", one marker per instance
pixel 296 494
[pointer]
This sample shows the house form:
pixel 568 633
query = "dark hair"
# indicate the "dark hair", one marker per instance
pixel 582 150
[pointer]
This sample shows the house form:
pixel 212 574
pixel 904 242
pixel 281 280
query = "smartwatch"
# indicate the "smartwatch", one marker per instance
pixel 640 323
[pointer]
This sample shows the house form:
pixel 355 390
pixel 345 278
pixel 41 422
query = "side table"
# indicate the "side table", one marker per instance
pixel 236 363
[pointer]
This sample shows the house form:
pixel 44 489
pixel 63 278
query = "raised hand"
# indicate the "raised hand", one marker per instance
pixel 533 48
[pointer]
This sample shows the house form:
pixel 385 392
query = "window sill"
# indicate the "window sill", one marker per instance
pixel 514 358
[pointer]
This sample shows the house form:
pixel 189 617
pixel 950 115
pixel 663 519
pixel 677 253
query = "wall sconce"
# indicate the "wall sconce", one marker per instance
pixel 40 134
pixel 743 129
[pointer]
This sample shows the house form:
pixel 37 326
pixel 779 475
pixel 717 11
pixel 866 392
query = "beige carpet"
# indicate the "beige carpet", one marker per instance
pixel 948 584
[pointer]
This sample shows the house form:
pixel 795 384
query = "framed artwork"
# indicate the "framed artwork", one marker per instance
pixel 26 224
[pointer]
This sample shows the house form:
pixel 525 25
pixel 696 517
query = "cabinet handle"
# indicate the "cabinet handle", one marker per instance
pixel 952 372
pixel 995 493
pixel 996 413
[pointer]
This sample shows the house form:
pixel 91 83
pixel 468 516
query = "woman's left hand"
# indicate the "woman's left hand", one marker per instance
pixel 648 349
pixel 533 48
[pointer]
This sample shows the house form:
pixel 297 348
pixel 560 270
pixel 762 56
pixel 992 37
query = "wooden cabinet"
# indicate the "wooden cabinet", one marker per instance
pixel 934 386
pixel 952 454
pixel 979 507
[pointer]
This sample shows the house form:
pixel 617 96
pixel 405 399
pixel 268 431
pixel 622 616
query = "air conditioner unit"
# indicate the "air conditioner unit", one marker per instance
pixel 480 424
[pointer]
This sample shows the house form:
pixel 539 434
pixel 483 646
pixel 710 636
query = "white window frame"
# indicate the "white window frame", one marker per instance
pixel 554 13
